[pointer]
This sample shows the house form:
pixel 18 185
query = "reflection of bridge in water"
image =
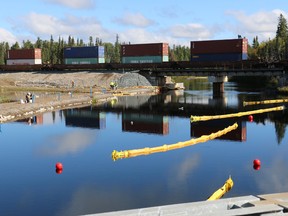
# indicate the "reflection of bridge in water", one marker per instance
pixel 149 114
pixel 176 104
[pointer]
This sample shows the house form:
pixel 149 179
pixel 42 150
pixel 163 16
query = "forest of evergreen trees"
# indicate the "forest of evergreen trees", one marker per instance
pixel 52 50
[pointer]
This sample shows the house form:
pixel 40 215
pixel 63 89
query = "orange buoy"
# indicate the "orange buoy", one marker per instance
pixel 250 118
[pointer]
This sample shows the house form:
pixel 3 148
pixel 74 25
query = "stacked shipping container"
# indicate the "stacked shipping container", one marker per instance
pixel 219 50
pixel 144 53
pixel 84 55
pixel 24 57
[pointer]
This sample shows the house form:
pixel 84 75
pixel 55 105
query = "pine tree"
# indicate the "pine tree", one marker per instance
pixel 116 55
pixel 281 38
pixel 91 41
pixel 15 46
pixel 282 28
pixel 255 44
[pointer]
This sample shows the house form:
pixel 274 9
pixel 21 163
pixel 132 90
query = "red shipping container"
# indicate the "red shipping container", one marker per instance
pixel 219 46
pixel 24 54
pixel 153 49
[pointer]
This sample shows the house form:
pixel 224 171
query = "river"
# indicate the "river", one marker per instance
pixel 83 139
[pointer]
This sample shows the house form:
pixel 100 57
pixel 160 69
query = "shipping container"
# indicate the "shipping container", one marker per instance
pixel 83 60
pixel 84 52
pixel 218 57
pixel 145 59
pixel 24 54
pixel 152 49
pixel 23 61
pixel 219 46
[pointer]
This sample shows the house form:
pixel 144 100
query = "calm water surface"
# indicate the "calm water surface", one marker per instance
pixel 91 182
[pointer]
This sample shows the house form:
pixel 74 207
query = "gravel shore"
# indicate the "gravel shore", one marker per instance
pixel 54 91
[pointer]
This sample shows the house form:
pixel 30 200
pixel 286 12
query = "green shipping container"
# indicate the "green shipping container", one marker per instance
pixel 84 60
pixel 145 59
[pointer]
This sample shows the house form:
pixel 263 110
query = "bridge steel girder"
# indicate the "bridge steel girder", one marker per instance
pixel 218 72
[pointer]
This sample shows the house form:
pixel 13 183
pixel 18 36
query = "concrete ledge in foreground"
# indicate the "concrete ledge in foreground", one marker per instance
pixel 266 205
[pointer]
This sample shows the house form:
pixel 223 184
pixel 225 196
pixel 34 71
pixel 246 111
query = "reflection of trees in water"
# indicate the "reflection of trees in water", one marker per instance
pixel 280 129
pixel 280 120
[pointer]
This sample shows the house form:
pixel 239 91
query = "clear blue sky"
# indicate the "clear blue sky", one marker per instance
pixel 136 21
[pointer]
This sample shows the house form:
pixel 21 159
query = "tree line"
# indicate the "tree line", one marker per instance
pixel 275 49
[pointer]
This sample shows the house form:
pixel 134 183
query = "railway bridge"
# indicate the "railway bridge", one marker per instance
pixel 218 72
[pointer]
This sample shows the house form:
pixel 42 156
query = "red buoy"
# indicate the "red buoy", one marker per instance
pixel 257 162
pixel 250 118
pixel 59 166
pixel 256 167
pixel 59 171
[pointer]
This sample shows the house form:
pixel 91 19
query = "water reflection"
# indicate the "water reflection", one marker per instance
pixel 145 123
pixel 66 143
pixel 33 120
pixel 207 127
pixel 150 114
pixel 85 117
pixel 83 139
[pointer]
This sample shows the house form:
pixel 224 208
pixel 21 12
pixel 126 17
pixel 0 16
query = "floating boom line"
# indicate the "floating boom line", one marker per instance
pixel 146 151
pixel 246 103
pixel 239 114
pixel 221 191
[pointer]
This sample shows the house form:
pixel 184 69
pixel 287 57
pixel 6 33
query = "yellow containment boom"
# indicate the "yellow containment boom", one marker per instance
pixel 221 191
pixel 239 114
pixel 145 151
pixel 245 103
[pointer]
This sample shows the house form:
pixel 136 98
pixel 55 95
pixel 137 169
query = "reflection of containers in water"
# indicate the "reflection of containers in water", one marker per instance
pixel 23 61
pixel 144 53
pixel 84 60
pixel 85 118
pixel 207 127
pixel 145 123
pixel 84 52
pixel 24 54
pixel 39 119
pixel 219 50
pixel 145 59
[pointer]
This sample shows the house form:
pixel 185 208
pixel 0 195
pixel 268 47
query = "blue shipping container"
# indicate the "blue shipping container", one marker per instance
pixel 219 57
pixel 84 52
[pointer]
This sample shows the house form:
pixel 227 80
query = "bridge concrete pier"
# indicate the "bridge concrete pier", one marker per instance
pixel 218 85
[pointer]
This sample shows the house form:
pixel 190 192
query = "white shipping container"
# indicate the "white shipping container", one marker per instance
pixel 23 61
